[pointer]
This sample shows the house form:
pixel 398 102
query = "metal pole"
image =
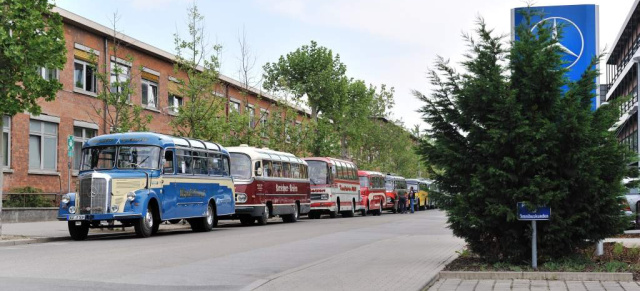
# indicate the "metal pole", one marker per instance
pixel 534 247
pixel 600 248
pixel 69 175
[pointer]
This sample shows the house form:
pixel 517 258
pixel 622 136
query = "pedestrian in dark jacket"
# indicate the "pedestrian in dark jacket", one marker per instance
pixel 402 203
pixel 412 199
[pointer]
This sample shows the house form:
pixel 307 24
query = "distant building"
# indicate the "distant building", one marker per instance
pixel 35 146
pixel 622 77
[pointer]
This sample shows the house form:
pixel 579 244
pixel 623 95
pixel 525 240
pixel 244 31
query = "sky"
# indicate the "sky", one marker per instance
pixel 392 42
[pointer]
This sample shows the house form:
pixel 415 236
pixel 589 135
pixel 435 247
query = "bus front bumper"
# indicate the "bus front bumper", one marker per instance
pixel 98 217
pixel 327 206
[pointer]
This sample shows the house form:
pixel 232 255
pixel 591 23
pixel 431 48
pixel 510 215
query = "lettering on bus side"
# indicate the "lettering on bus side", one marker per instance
pixel 347 188
pixel 191 193
pixel 286 188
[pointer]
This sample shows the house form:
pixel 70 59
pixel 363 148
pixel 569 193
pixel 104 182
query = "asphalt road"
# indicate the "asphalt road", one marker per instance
pixel 390 252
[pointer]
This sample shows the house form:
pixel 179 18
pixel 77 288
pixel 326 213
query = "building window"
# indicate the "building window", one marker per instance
pixel 6 141
pixel 252 115
pixel 149 94
pixel 264 116
pixel 49 74
pixel 234 105
pixel 80 136
pixel 43 145
pixel 119 75
pixel 175 102
pixel 83 76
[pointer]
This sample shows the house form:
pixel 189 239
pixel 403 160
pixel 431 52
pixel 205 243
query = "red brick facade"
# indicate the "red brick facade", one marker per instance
pixel 75 107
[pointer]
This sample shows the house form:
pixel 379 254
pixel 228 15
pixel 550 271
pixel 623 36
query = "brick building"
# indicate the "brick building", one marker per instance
pixel 35 146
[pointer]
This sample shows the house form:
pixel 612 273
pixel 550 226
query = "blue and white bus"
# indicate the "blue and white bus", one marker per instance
pixel 142 179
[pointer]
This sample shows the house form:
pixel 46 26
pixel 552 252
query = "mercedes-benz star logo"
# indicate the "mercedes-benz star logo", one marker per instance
pixel 572 42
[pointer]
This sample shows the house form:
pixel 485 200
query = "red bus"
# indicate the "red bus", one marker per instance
pixel 334 187
pixel 395 187
pixel 372 191
pixel 268 183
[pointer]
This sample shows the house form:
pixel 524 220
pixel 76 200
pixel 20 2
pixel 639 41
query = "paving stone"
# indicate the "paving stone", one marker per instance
pixel 521 285
pixel 630 286
pixel 575 286
pixel 467 285
pixel 485 285
pixel 436 285
pixel 557 285
pixel 539 285
pixel 450 285
pixel 593 286
pixel 611 286
pixel 502 285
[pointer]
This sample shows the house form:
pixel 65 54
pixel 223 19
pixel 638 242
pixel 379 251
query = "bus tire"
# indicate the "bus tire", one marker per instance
pixel 293 217
pixel 334 214
pixel 144 225
pixel 363 212
pixel 379 213
pixel 351 212
pixel 78 232
pixel 262 220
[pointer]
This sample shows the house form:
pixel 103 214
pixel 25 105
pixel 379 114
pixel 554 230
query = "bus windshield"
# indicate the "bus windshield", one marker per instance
pixel 240 166
pixel 128 157
pixel 388 185
pixel 364 182
pixel 318 173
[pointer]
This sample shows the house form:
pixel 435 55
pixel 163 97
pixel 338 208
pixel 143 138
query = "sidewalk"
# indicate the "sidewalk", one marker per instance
pixel 532 285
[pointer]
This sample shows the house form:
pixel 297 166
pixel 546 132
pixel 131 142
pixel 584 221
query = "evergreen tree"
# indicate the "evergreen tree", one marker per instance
pixel 512 128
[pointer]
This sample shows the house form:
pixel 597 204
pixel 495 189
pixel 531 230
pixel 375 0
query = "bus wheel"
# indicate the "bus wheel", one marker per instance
pixel 351 211
pixel 379 209
pixel 204 224
pixel 262 220
pixel 293 217
pixel 334 213
pixel 363 212
pixel 144 226
pixel 78 232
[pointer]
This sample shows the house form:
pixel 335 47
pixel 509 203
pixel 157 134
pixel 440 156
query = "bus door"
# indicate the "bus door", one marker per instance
pixel 168 196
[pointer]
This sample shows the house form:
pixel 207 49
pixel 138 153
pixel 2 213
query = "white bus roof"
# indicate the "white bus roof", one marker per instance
pixel 265 154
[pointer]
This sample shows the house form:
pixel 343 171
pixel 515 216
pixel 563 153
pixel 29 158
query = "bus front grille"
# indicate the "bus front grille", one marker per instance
pixel 93 196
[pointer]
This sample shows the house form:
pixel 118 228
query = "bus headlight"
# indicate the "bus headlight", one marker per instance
pixel 131 196
pixel 324 197
pixel 66 198
pixel 114 208
pixel 241 197
pixel 72 209
pixel 388 199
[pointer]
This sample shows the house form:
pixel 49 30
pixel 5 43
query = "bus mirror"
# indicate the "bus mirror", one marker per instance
pixel 259 172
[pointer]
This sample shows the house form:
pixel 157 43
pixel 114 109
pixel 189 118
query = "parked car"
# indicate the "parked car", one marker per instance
pixel 633 204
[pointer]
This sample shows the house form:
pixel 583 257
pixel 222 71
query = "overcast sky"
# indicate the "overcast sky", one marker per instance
pixel 390 42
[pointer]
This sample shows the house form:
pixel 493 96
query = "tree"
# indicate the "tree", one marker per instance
pixel 505 131
pixel 310 71
pixel 31 39
pixel 203 114
pixel 118 114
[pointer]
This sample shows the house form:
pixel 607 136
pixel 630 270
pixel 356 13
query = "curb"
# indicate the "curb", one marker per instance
pixel 567 276
pixel 437 276
pixel 28 241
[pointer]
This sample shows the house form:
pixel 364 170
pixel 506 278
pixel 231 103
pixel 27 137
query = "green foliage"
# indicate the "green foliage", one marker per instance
pixel 618 249
pixel 26 189
pixel 505 131
pixel 31 38
pixel 202 115
pixel 16 200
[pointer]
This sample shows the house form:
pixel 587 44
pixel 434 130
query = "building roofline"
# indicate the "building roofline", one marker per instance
pixel 622 29
pixel 77 20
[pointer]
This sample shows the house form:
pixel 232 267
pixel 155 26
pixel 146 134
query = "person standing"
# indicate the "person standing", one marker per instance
pixel 412 198
pixel 402 203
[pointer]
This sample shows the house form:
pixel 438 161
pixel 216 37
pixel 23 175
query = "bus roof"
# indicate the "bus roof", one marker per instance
pixel 265 154
pixel 151 138
pixel 328 160
pixel 416 180
pixel 362 173
pixel 390 177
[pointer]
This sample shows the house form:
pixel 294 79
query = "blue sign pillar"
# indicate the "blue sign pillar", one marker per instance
pixel 580 35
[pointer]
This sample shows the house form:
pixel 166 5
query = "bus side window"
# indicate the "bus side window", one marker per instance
pixel 199 163
pixel 286 170
pixel 258 173
pixel 268 171
pixel 277 169
pixel 184 162
pixel 225 164
pixel 295 170
pixel 167 168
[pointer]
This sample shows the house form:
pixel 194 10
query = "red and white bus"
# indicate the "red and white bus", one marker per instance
pixel 372 191
pixel 268 183
pixel 334 187
pixel 396 187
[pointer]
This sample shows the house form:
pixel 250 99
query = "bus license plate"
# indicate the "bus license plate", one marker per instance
pixel 77 217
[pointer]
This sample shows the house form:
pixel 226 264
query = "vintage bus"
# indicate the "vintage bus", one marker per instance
pixel 395 187
pixel 142 179
pixel 334 187
pixel 421 188
pixel 372 191
pixel 269 183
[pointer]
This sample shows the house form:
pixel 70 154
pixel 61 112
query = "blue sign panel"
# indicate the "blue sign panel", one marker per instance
pixel 579 36
pixel 540 213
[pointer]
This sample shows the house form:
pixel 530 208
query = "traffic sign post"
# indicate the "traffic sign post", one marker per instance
pixel 541 213
pixel 70 155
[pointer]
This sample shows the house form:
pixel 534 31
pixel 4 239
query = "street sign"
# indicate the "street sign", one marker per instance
pixel 540 213
pixel 70 146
